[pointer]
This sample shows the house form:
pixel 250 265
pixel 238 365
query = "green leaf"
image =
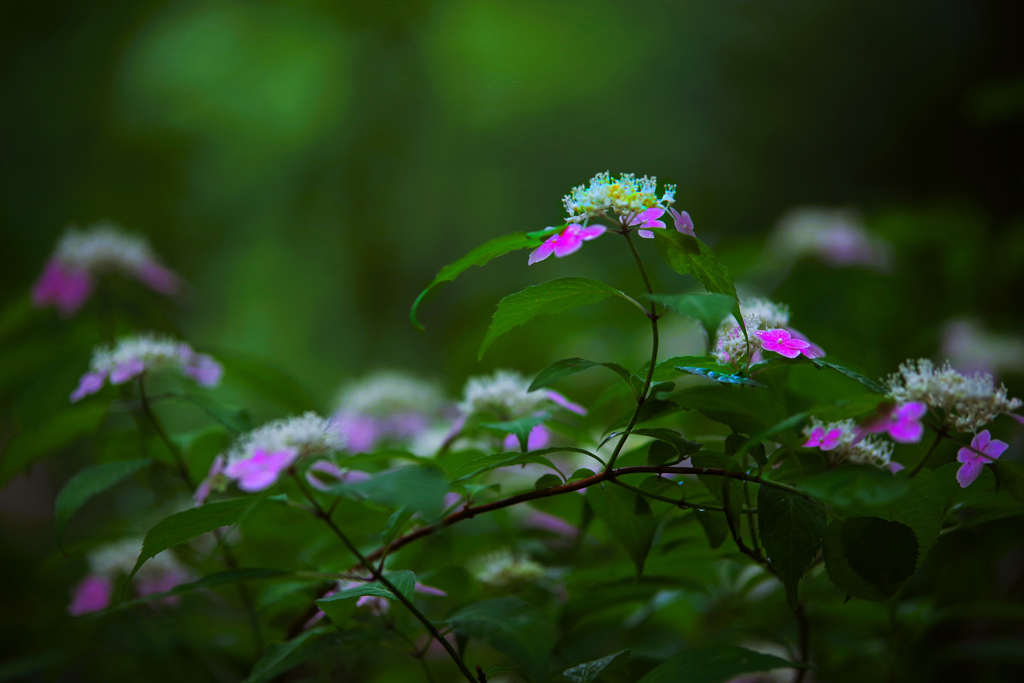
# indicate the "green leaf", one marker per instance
pixel 237 420
pixel 728 491
pixel 714 525
pixel 266 381
pixel 871 384
pixel 683 445
pixel 707 309
pixel 279 659
pixel 667 369
pixel 396 522
pixel 190 523
pixel 494 461
pixel 791 529
pixel 546 481
pixel 61 431
pixel 511 626
pixel 754 443
pixel 714 665
pixel 478 257
pixel 404 581
pixel 1011 475
pixel 746 411
pixel 547 298
pixel 520 671
pixel 628 517
pixel 420 489
pixel 88 483
pixel 521 428
pixel 589 671
pixel 661 453
pixel 869 557
pixel 922 509
pixel 567 367
pixel 687 255
pixel 856 485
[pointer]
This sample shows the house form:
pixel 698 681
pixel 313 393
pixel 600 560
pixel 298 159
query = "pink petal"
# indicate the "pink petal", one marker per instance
pixel 968 472
pixel 205 370
pixel 569 243
pixel 795 344
pixel 814 440
pixel 361 431
pixel 831 440
pixel 783 350
pixel 127 370
pixel 772 336
pixel 906 431
pixel 261 470
pixel 566 403
pixel 996 448
pixel 911 411
pixel 646 215
pixel 654 224
pixel 543 251
pixel 646 234
pixel 684 223
pixel 592 232
pixel 92 594
pixel 539 438
pixel 90 383
pixel 429 590
pixel 895 467
pixel 158 278
pixel 981 440
pixel 64 286
pixel 548 522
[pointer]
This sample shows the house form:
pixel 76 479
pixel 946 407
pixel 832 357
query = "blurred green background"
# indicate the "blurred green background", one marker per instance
pixel 309 166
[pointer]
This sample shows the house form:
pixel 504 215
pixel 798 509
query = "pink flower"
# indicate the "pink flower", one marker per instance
pixel 895 467
pixel 430 590
pixel 782 342
pixel 201 367
pixel 983 449
pixel 566 403
pixel 92 594
pixel 161 584
pixel 64 286
pixel 539 437
pixel 648 218
pixel 684 223
pixel 362 431
pixel 261 470
pixel 826 441
pixel 812 351
pixel 903 423
pixel 122 372
pixel 567 242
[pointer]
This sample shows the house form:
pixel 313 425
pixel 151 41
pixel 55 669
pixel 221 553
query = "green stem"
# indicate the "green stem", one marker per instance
pixel 383 580
pixel 939 435
pixel 642 397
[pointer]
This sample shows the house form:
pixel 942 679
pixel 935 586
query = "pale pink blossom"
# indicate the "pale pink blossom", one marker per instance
pixel 825 440
pixel 92 594
pixel 983 449
pixel 340 476
pixel 261 470
pixel 63 285
pixel 684 223
pixel 648 218
pixel 569 241
pixel 556 397
pixel 782 342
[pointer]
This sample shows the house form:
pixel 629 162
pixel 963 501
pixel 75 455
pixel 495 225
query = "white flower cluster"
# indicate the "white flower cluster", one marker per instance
pixel 503 567
pixel 870 450
pixel 120 558
pixel 968 401
pixel 758 314
pixel 388 392
pixel 626 196
pixel 308 434
pixel 505 394
pixel 104 245
pixel 154 351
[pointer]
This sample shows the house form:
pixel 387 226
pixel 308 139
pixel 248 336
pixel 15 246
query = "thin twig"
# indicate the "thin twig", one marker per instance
pixel 939 435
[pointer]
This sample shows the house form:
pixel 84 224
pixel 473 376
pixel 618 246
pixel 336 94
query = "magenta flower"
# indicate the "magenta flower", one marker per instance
pixel 92 594
pixel 812 351
pixel 539 437
pixel 684 223
pixel 362 431
pixel 648 218
pixel 902 422
pixel 983 449
pixel 826 441
pixel 566 242
pixel 65 286
pixel 782 342
pixel 261 470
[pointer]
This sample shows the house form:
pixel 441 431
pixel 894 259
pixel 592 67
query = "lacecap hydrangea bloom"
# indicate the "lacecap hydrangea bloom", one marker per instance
pixel 158 575
pixel 633 202
pixel 768 329
pixel 506 396
pixel 845 442
pixel 81 256
pixel 503 567
pixel 387 406
pixel 258 458
pixel 969 402
pixel 134 355
pixel 984 449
